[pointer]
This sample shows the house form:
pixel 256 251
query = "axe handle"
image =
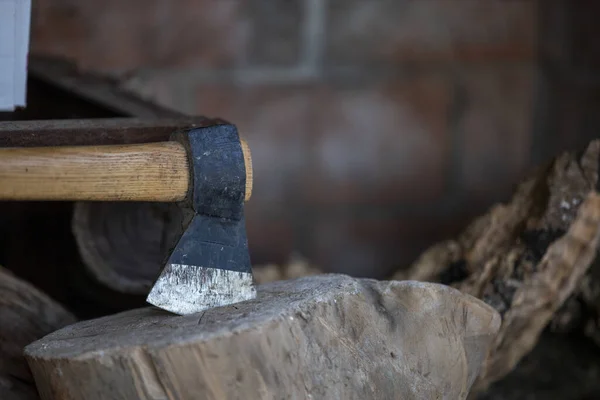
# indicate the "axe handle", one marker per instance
pixel 139 172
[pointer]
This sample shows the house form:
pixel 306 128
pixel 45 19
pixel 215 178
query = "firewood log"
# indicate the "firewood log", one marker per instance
pixel 26 315
pixel 124 245
pixel 321 337
pixel 533 259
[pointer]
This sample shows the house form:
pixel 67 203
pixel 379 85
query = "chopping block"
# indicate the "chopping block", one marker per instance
pixel 320 337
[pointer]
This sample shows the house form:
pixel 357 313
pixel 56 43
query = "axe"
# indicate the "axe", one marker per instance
pixel 206 171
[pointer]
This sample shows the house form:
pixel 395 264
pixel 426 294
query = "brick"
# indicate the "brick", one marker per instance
pixel 275 122
pixel 383 143
pixel 496 126
pixel 274 32
pixel 397 31
pixel 118 36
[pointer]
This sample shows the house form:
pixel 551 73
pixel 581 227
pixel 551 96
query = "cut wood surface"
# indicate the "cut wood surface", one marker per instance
pixel 325 337
pixel 26 315
pixel 123 245
pixel 533 259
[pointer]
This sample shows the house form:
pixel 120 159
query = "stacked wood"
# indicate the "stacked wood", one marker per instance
pixel 533 259
pixel 325 337
pixel 124 245
pixel 26 314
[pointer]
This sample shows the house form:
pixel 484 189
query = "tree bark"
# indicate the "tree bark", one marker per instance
pixel 534 259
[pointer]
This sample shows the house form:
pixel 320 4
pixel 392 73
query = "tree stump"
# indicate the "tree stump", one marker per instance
pixel 26 315
pixel 326 337
pixel 534 259
pixel 124 245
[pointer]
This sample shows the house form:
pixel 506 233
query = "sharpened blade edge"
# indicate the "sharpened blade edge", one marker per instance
pixel 188 289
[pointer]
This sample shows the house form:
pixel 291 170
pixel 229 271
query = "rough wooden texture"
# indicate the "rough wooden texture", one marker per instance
pixel 321 337
pixel 531 259
pixel 26 315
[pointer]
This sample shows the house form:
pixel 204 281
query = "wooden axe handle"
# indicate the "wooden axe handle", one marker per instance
pixel 138 172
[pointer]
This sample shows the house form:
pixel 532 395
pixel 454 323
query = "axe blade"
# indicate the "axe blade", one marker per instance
pixel 189 289
pixel 210 265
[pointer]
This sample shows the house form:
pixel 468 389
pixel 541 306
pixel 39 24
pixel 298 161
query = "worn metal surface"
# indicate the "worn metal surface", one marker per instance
pixel 210 265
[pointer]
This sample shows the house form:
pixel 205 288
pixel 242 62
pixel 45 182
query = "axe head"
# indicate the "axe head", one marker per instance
pixel 210 264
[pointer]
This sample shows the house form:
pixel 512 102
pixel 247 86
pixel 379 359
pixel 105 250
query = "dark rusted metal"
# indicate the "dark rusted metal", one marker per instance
pixel 82 132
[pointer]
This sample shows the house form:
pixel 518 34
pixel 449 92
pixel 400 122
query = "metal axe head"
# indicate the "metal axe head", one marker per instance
pixel 210 264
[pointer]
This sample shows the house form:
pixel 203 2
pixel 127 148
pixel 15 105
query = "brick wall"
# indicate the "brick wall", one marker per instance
pixel 377 126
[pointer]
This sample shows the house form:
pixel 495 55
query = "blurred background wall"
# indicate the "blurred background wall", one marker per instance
pixel 377 126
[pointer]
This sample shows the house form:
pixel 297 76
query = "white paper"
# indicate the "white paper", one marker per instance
pixel 7 53
pixel 23 17
pixel 15 18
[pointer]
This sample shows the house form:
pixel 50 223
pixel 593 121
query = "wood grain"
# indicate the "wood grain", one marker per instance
pixel 139 172
pixel 144 172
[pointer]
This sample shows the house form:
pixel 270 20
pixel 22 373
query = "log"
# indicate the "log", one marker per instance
pixel 124 245
pixel 325 336
pixel 533 259
pixel 26 315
